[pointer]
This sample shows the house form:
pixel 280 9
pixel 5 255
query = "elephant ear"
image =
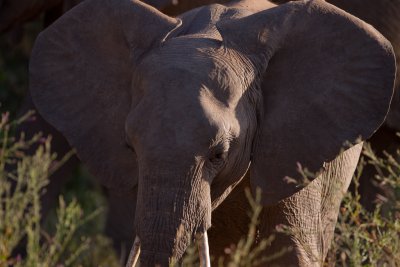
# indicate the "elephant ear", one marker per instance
pixel 80 79
pixel 329 80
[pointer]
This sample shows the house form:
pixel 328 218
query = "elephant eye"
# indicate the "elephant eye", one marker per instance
pixel 219 157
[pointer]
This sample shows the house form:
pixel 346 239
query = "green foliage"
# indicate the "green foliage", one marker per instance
pixel 361 238
pixel 370 238
pixel 23 178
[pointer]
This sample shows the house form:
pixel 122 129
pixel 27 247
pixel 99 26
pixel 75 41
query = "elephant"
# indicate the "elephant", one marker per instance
pixel 177 113
pixel 383 15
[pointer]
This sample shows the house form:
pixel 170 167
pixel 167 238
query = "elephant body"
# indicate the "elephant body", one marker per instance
pixel 176 116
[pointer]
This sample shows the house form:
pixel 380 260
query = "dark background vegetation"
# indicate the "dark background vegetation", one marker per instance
pixel 15 49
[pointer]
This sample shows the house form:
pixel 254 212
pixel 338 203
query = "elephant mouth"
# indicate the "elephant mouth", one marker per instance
pixel 202 244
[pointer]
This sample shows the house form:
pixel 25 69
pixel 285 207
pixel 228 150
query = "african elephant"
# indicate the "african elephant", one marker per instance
pixel 180 111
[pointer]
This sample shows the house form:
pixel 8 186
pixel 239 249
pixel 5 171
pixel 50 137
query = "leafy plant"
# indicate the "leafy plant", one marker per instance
pixel 370 238
pixel 23 178
pixel 361 238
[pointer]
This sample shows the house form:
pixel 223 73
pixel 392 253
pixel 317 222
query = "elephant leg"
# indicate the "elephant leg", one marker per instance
pixel 310 215
pixel 120 220
pixel 230 220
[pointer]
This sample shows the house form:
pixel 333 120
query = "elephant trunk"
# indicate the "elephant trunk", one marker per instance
pixel 162 246
pixel 170 212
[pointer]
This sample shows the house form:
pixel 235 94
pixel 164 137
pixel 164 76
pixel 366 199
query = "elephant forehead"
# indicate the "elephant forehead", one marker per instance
pixel 195 53
pixel 190 63
pixel 207 100
pixel 185 54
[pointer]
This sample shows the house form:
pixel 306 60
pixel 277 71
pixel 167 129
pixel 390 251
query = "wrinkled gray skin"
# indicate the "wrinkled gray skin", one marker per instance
pixel 201 98
pixel 384 15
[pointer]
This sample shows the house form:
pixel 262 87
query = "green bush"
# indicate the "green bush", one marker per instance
pixel 365 238
pixel 23 178
pixel 361 238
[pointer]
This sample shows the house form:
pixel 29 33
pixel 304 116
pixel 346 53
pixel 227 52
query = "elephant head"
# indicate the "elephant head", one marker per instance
pixel 182 107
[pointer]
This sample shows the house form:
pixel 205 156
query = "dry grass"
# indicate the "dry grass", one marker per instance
pixel 362 238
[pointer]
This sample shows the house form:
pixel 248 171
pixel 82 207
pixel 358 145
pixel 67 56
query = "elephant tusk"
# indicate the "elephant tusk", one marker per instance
pixel 202 243
pixel 134 254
